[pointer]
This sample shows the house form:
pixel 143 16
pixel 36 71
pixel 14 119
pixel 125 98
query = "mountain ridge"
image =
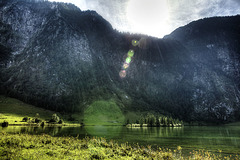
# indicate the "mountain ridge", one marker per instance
pixel 55 56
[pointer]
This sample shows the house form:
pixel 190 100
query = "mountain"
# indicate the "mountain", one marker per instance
pixel 213 45
pixel 55 56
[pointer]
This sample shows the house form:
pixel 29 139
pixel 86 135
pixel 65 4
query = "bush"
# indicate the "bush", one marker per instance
pixel 55 117
pixel 137 121
pixel 25 119
pixel 60 121
pixel 5 124
pixel 42 124
pixel 37 120
pixel 37 115
pixel 52 121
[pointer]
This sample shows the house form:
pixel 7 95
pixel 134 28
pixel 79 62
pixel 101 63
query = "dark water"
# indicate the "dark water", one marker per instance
pixel 226 138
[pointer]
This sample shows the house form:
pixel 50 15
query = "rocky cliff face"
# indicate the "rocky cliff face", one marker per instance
pixel 56 56
pixel 213 46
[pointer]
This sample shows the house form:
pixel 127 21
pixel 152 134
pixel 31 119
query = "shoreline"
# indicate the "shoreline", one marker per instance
pixel 45 125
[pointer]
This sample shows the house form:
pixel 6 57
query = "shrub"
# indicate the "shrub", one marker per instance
pixel 5 124
pixel 137 121
pixel 55 118
pixel 37 120
pixel 37 115
pixel 42 124
pixel 52 121
pixel 25 119
pixel 60 121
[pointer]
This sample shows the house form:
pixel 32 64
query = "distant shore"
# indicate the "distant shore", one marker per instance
pixel 147 125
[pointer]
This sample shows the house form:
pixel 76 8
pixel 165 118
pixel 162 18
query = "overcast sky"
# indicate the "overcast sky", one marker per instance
pixel 156 17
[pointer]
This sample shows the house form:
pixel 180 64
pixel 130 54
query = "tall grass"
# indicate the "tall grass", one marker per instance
pixel 41 147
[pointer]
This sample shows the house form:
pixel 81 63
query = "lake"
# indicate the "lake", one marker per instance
pixel 224 138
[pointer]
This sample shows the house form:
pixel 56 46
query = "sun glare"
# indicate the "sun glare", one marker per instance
pixel 148 17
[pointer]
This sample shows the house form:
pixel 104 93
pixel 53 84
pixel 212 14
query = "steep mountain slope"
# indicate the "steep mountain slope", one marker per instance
pixel 51 50
pixel 56 56
pixel 213 45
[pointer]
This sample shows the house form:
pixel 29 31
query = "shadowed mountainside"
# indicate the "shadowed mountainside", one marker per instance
pixel 55 56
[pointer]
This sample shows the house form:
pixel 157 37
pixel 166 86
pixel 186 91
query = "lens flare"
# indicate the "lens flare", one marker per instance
pixel 143 43
pixel 134 43
pixel 122 73
pixel 128 60
pixel 130 53
pixel 125 65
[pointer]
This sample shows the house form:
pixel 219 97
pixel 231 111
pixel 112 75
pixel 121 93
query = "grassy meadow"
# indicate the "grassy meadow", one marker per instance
pixel 13 111
pixel 98 113
pixel 103 113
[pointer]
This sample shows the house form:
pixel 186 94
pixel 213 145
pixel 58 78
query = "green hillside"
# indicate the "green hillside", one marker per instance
pixel 98 113
pixel 13 111
pixel 103 113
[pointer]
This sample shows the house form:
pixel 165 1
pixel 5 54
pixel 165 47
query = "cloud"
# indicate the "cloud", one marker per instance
pixel 185 11
pixel 112 11
pixel 237 1
pixel 181 12
pixel 80 3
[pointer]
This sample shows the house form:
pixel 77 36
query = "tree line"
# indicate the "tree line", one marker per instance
pixel 156 121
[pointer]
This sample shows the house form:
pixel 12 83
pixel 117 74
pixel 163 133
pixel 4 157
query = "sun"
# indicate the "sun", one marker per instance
pixel 149 17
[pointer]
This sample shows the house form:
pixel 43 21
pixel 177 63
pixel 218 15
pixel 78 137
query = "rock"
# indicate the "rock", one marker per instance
pixel 55 56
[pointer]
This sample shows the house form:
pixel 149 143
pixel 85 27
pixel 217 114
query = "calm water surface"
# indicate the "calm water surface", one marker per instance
pixel 225 138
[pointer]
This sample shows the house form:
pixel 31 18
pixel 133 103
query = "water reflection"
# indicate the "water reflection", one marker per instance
pixel 104 131
pixel 157 131
pixel 53 131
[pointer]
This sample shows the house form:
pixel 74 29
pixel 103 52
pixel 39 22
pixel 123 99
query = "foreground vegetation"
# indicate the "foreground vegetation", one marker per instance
pixel 24 146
